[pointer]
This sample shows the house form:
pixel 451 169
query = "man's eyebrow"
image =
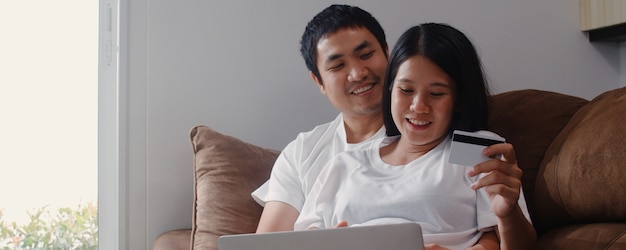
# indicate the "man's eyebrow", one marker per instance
pixel 361 46
pixel 333 57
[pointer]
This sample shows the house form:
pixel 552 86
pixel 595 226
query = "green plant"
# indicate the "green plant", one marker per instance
pixel 67 229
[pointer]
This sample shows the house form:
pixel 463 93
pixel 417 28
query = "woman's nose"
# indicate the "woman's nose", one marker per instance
pixel 419 104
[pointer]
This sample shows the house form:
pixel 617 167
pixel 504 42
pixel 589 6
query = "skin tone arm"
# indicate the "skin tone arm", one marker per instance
pixel 503 184
pixel 487 241
pixel 277 216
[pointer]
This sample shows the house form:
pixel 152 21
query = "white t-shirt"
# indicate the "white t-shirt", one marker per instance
pixel 360 188
pixel 299 164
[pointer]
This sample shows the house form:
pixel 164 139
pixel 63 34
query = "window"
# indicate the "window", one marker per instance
pixel 49 107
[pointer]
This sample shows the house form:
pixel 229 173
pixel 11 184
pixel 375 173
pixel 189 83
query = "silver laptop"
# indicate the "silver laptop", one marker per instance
pixel 407 236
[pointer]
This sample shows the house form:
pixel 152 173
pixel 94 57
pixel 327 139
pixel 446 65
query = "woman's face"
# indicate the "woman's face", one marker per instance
pixel 422 102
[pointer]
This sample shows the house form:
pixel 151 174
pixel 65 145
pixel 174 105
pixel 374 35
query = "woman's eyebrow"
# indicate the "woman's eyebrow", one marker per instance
pixel 440 84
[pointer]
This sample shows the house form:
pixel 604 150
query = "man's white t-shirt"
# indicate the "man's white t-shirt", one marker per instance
pixel 360 188
pixel 299 164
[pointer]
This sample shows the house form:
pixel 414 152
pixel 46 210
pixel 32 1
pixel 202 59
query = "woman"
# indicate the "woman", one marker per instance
pixel 434 85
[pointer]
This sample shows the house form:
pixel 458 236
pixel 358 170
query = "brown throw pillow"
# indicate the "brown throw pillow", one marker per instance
pixel 583 177
pixel 226 171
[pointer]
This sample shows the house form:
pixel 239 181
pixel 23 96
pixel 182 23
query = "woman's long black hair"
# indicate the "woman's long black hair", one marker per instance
pixel 455 54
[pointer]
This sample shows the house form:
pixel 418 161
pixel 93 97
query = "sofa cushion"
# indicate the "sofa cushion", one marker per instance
pixel 226 171
pixel 600 236
pixel 583 176
pixel 530 120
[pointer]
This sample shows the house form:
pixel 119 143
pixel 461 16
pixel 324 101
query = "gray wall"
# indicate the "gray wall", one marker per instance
pixel 235 66
pixel 622 52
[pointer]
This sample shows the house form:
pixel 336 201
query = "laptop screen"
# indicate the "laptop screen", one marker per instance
pixel 407 236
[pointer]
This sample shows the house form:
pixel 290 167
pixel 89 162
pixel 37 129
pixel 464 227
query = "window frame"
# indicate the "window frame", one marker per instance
pixel 122 192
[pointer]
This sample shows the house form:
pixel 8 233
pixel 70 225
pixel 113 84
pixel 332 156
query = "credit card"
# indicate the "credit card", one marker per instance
pixel 467 147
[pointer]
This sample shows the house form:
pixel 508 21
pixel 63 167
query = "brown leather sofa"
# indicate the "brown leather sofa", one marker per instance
pixel 572 151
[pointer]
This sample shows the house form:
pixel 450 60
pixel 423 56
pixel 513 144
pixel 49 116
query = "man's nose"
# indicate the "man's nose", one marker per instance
pixel 358 73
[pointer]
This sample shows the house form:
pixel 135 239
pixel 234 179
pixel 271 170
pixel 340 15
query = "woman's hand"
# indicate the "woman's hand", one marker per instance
pixel 342 223
pixel 434 247
pixel 503 183
pixel 503 179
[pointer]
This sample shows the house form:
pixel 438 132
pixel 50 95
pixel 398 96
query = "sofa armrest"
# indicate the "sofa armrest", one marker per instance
pixel 179 239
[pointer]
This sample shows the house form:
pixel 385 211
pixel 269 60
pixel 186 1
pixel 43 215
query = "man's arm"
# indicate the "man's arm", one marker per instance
pixel 277 216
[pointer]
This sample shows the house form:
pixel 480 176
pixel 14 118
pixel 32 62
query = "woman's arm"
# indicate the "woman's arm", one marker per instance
pixel 516 232
pixel 488 240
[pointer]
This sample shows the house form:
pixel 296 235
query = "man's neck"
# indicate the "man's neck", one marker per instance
pixel 361 128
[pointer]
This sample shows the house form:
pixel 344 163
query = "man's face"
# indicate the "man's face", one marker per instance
pixel 352 67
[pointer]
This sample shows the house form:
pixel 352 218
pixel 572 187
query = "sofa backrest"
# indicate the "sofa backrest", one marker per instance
pixel 530 120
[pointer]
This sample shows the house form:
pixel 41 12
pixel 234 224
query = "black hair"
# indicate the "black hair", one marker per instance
pixel 330 20
pixel 454 53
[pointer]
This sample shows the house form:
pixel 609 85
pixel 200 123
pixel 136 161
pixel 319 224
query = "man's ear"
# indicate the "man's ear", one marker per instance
pixel 318 82
pixel 387 50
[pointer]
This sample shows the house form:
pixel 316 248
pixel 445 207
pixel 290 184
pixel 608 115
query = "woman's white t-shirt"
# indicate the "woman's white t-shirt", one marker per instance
pixel 360 188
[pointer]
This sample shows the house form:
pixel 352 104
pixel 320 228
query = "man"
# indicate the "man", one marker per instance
pixel 345 50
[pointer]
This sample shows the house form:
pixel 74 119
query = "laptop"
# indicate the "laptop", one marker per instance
pixel 406 236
